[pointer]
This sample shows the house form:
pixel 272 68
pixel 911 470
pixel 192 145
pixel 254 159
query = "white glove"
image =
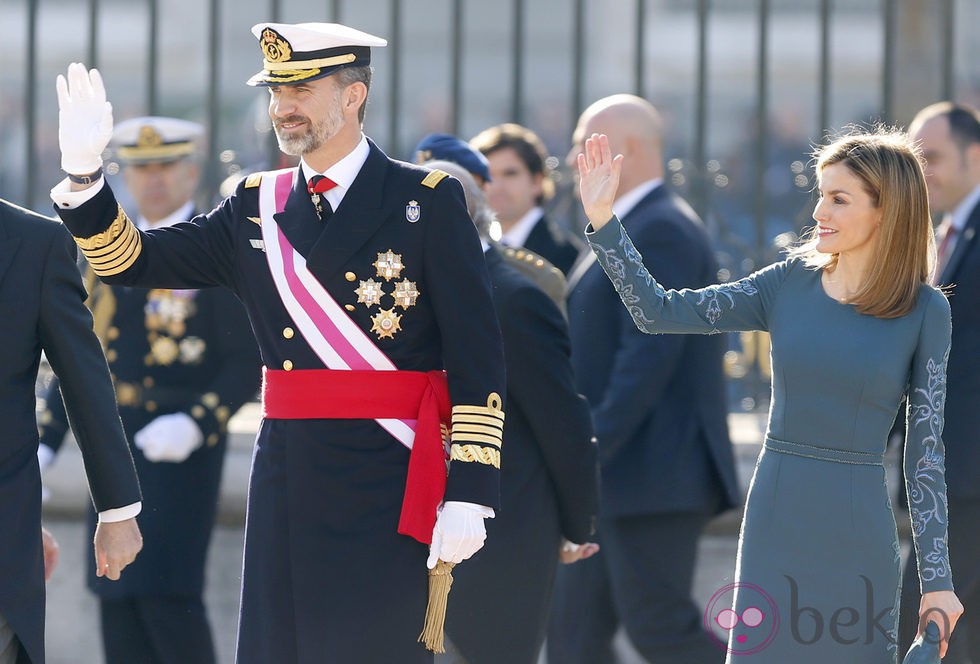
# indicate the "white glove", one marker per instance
pixel 459 532
pixel 84 120
pixel 169 438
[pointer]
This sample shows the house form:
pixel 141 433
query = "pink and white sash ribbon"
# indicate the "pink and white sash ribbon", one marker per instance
pixel 336 339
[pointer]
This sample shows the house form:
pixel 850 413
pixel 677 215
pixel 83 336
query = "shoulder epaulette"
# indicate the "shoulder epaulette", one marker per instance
pixel 434 178
pixel 253 180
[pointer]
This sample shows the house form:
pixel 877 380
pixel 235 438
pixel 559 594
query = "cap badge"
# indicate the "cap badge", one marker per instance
pixel 149 137
pixel 275 47
pixel 413 211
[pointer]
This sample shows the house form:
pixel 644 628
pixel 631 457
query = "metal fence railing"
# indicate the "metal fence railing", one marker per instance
pixel 746 86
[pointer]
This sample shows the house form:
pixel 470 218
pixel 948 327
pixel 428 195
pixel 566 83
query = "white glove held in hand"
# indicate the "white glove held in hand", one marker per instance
pixel 459 532
pixel 84 120
pixel 169 438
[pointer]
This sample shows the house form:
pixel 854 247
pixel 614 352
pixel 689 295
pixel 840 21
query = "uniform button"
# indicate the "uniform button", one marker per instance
pixel 213 440
pixel 151 406
pixel 148 381
pixel 112 333
pixel 539 263
pixel 111 355
pixel 287 365
pixel 349 307
pixel 350 276
pixel 197 412
pixel 288 332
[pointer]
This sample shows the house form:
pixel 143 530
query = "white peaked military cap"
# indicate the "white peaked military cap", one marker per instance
pixel 151 138
pixel 299 52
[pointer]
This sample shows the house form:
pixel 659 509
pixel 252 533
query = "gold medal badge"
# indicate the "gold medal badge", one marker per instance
pixel 369 293
pixel 389 265
pixel 385 323
pixel 164 350
pixel 405 294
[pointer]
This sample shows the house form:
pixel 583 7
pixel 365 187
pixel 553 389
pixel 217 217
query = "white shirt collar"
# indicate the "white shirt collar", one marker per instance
pixel 625 203
pixel 963 210
pixel 519 232
pixel 342 173
pixel 183 213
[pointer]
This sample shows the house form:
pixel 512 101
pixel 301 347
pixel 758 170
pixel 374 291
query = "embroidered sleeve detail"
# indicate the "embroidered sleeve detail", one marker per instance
pixel 925 478
pixel 475 454
pixel 115 249
pixel 710 303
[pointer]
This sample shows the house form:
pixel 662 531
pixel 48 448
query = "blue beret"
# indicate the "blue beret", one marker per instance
pixel 450 148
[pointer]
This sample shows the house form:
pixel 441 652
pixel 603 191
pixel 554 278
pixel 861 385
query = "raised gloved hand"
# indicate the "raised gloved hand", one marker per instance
pixel 169 438
pixel 84 120
pixel 459 532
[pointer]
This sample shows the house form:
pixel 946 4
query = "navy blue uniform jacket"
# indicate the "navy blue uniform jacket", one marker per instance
pixel 42 308
pixel 188 351
pixel 658 401
pixel 331 489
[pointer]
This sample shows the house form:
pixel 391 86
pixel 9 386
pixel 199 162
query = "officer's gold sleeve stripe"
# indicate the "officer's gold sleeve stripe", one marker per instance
pixel 115 229
pixel 122 267
pixel 114 250
pixel 460 428
pixel 120 253
pixel 253 180
pixel 434 178
pixel 475 453
pixel 475 438
pixel 478 419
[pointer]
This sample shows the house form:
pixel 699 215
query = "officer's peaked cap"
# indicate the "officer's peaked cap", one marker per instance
pixel 298 52
pixel 155 139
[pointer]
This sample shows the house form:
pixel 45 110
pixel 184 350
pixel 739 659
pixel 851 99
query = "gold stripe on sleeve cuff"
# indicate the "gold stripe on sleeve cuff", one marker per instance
pixel 483 424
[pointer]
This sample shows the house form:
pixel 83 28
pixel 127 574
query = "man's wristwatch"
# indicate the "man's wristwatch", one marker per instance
pixel 86 179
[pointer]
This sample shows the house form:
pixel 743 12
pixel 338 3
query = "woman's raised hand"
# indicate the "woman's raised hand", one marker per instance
pixel 598 179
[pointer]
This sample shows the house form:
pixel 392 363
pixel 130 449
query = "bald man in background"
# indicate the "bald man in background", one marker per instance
pixel 658 404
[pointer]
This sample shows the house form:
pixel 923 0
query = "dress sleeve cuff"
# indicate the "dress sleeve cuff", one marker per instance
pixel 120 513
pixel 66 199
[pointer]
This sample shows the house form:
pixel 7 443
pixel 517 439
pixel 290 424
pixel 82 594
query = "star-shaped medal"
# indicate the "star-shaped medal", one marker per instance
pixel 385 323
pixel 405 294
pixel 369 292
pixel 389 265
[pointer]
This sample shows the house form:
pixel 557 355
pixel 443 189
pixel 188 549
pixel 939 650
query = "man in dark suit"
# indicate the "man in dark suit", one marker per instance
pixel 183 362
pixel 535 267
pixel 949 135
pixel 658 403
pixel 548 479
pixel 364 282
pixel 518 189
pixel 42 309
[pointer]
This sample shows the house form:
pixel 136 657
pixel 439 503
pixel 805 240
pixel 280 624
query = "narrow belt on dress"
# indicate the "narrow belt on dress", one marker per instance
pixel 356 394
pixel 824 453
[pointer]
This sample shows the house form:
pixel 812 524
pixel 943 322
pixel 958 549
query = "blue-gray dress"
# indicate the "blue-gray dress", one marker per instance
pixel 818 569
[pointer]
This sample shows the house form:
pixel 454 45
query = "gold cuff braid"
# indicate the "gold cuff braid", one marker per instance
pixel 115 249
pixel 474 453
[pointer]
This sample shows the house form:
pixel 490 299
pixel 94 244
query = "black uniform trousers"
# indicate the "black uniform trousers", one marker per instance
pixel 156 629
pixel 620 586
pixel 964 536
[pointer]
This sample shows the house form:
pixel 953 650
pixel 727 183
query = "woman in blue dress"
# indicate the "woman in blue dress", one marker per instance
pixel 855 329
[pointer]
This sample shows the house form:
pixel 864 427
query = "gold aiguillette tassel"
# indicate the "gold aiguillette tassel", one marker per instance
pixel 440 581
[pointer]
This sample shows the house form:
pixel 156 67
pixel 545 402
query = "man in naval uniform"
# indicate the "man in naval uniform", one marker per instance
pixel 183 362
pixel 366 288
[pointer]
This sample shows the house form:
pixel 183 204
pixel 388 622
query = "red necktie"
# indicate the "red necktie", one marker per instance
pixel 948 232
pixel 317 185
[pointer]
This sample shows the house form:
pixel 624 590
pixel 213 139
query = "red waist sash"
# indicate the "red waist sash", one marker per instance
pixel 343 394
